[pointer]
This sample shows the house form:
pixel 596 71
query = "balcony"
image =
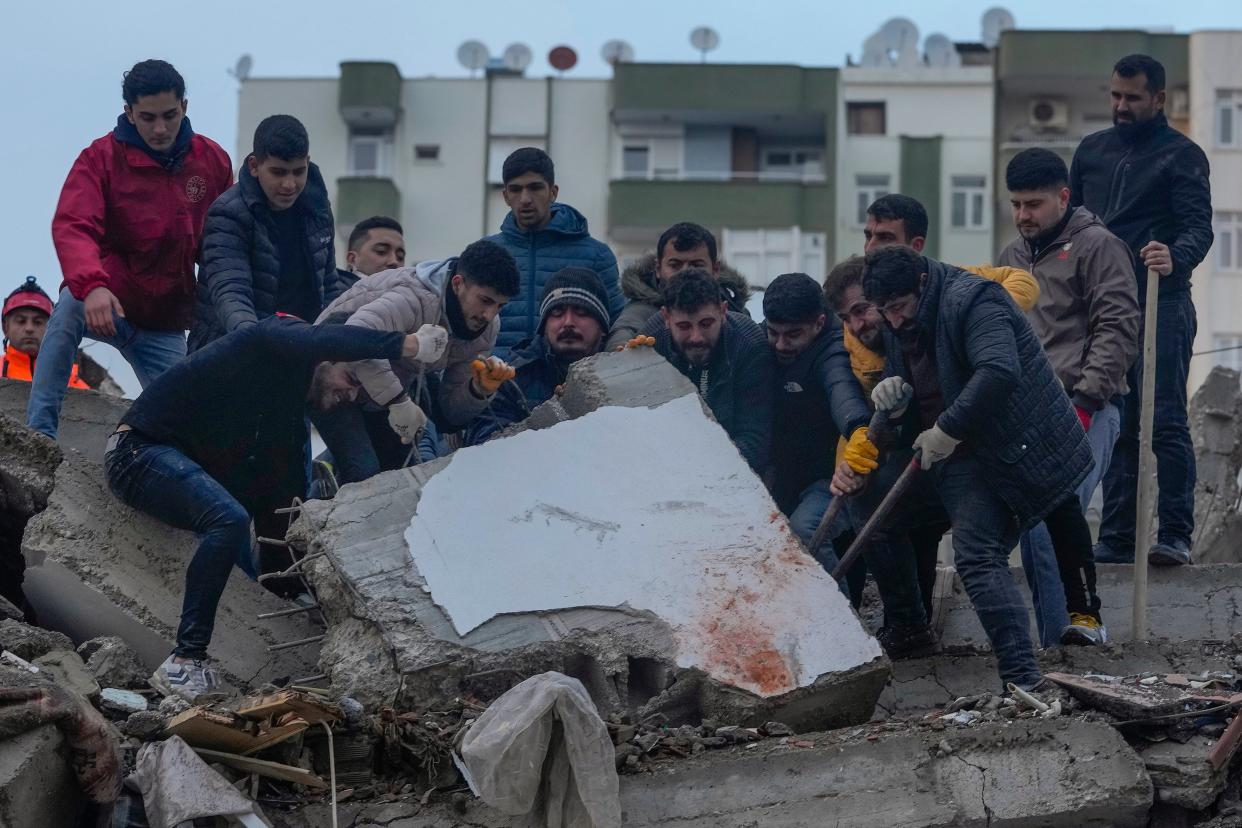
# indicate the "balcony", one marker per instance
pixel 359 197
pixel 1027 54
pixel 739 203
pixel 370 94
pixel 774 88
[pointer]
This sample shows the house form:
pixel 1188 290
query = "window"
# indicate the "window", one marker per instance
pixel 865 118
pixel 870 187
pixel 1228 243
pixel 1228 118
pixel 426 152
pixel 967 196
pixel 635 161
pixel 370 155
pixel 1228 351
pixel 793 163
pixel 498 149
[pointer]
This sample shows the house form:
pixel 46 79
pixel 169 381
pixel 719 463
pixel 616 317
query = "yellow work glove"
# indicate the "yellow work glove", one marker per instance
pixel 860 453
pixel 638 342
pixel 490 374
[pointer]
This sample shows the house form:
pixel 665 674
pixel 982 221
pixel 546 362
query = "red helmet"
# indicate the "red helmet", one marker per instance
pixel 29 295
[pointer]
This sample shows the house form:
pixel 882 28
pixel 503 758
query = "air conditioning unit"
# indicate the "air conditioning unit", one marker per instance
pixel 1049 114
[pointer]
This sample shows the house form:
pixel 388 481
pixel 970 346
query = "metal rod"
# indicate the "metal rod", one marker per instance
pixel 293 569
pixel 289 645
pixel 332 770
pixel 310 679
pixel 288 510
pixel 879 420
pixel 879 515
pixel 282 613
pixel 1146 465
pixel 273 541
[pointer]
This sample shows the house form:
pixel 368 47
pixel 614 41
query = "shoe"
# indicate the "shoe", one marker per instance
pixel 908 642
pixel 187 679
pixel 1106 554
pixel 1170 553
pixel 1084 630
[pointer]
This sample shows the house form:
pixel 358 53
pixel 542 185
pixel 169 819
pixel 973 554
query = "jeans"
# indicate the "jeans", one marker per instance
pixel 1176 325
pixel 162 482
pixel 804 520
pixel 984 531
pixel 1039 560
pixel 149 352
pixel 361 441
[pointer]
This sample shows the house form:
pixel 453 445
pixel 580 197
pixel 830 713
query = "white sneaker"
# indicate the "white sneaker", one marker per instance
pixel 187 679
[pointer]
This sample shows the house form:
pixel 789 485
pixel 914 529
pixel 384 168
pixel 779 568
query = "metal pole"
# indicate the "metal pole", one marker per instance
pixel 1146 460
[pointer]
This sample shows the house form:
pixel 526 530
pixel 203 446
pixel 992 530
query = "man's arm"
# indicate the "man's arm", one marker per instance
pixel 506 408
pixel 1191 194
pixel 606 267
pixel 226 270
pixel 1113 319
pixel 78 226
pixel 1075 182
pixel 845 397
pixel 992 352
pixel 753 385
pixel 1018 283
pixel 292 339
pixel 392 310
pixel 458 402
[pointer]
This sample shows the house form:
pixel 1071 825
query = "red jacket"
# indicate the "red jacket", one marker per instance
pixel 126 224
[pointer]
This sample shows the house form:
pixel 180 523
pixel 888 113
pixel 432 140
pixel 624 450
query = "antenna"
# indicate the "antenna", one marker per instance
pixel 939 51
pixel 473 55
pixel 517 57
pixel 617 51
pixel 241 70
pixel 562 58
pixel 995 20
pixel 705 39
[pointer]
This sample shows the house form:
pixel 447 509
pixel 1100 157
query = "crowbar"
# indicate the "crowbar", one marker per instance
pixel 879 422
pixel 879 515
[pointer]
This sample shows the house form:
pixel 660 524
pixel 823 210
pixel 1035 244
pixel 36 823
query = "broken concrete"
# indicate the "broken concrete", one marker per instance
pixel 86 419
pixel 388 636
pixel 1182 774
pixel 36 778
pixel 113 663
pixel 1216 427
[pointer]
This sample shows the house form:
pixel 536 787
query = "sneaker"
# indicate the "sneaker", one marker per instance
pixel 1169 553
pixel 1104 553
pixel 1084 630
pixel 187 679
pixel 908 642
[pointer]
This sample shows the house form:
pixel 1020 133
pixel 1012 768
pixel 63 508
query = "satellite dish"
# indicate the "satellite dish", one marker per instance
pixel 995 20
pixel 617 51
pixel 517 57
pixel 899 35
pixel 939 51
pixel 874 53
pixel 705 39
pixel 563 58
pixel 473 55
pixel 241 70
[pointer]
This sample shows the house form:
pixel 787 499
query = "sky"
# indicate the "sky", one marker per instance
pixel 62 62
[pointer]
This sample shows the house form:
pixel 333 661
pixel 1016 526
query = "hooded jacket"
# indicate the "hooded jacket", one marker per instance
pixel 240 277
pixel 1153 187
pixel 1087 316
pixel 642 292
pixel 128 223
pixel 403 300
pixel 564 242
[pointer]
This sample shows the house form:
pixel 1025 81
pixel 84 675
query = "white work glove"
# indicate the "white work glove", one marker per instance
pixel 406 419
pixel 432 343
pixel 891 396
pixel 935 446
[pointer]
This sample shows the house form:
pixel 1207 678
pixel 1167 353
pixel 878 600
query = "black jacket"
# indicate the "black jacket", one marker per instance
pixel 1154 188
pixel 817 400
pixel 1001 398
pixel 538 372
pixel 342 281
pixel 237 407
pixel 738 382
pixel 239 277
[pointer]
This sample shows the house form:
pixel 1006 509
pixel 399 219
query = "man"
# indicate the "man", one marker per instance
pixel 573 316
pixel 723 353
pixel 127 231
pixel 1149 184
pixel 1087 318
pixel 222 435
pixel 268 244
pixel 453 307
pixel 24 322
pixel 544 236
pixel 817 401
pixel 997 436
pixel 683 245
pixel 375 244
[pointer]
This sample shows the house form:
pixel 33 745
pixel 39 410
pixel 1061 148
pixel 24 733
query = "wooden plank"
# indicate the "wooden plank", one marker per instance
pixel 203 728
pixel 272 770
pixel 312 710
pixel 1227 744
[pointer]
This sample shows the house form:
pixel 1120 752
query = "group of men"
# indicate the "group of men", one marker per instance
pixel 1006 389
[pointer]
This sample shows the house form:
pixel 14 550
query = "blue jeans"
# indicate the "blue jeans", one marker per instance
pixel 1176 325
pixel 804 520
pixel 149 352
pixel 161 481
pixel 1039 560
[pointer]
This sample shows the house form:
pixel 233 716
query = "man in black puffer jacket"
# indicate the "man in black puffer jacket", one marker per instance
pixel 268 241
pixel 997 435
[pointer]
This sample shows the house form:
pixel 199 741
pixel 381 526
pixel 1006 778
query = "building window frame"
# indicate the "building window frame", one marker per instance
pixel 867 188
pixel 378 143
pixel 866 117
pixel 1227 244
pixel 1227 348
pixel 1228 125
pixel 970 194
pixel 630 151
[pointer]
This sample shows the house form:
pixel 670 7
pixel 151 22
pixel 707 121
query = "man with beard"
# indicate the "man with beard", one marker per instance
pixel 453 307
pixel 573 317
pixel 1148 183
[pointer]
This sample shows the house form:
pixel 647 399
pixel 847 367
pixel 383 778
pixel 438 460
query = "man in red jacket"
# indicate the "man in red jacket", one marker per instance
pixel 127 232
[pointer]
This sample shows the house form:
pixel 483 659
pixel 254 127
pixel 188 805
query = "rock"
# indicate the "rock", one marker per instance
pixel 1181 772
pixel 386 813
pixel 7 610
pixel 776 729
pixel 114 663
pixel 121 703
pixel 29 642
pixel 145 725
pixel 66 669
pixel 172 705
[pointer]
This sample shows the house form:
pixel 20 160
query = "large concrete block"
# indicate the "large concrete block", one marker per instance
pixel 631 549
pixel 86 419
pixel 1216 427
pixel 37 786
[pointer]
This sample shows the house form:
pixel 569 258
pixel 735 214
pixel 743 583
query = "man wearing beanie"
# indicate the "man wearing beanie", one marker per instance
pixel 573 319
pixel 24 320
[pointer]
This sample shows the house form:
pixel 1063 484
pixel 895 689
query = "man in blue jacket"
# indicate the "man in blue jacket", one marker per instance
pixel 544 236
pixel 221 436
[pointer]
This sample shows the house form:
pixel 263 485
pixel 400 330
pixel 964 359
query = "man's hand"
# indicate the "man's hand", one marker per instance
pixel 845 481
pixel 1084 417
pixel 406 419
pixel 891 396
pixel 490 374
pixel 432 343
pixel 100 305
pixel 1157 257
pixel 638 342
pixel 935 446
pixel 860 453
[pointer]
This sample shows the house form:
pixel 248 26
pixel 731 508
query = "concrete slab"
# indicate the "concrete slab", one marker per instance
pixel 86 419
pixel 37 786
pixel 1215 415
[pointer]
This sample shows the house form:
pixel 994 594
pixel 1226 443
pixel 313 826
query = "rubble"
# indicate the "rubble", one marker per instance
pixel 28 642
pixel 114 663
pixel 1215 415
